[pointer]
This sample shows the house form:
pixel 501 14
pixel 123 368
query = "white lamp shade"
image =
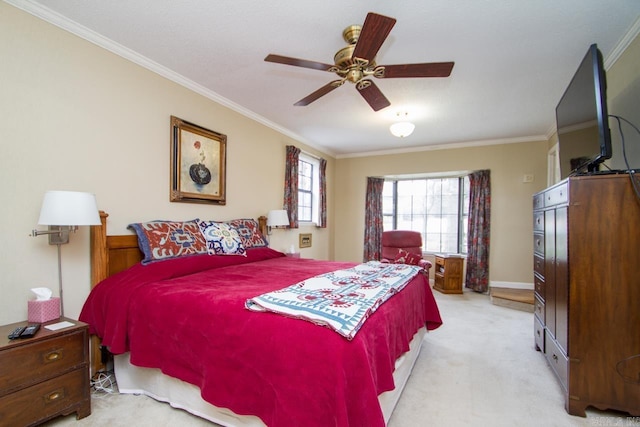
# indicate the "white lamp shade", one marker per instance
pixel 277 218
pixel 402 129
pixel 69 208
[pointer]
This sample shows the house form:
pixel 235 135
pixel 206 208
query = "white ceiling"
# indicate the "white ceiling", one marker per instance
pixel 513 60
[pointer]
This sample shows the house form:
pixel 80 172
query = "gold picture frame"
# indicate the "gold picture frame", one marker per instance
pixel 198 164
pixel 305 240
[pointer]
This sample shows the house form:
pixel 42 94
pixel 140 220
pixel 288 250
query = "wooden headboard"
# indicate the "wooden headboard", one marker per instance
pixel 112 254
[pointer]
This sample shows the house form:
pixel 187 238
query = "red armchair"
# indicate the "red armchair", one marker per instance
pixel 398 244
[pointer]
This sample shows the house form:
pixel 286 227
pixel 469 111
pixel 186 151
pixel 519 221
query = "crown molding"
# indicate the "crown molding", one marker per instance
pixel 91 36
pixel 622 44
pixel 449 146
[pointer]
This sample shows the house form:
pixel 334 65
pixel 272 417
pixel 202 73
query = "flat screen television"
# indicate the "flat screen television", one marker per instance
pixel 584 139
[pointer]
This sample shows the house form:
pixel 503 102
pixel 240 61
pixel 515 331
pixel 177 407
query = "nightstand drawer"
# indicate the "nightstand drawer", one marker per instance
pixel 61 395
pixel 33 362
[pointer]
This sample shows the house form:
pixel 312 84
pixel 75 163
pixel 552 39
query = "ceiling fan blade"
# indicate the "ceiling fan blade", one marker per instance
pixel 374 32
pixel 430 69
pixel 319 93
pixel 372 94
pixel 298 62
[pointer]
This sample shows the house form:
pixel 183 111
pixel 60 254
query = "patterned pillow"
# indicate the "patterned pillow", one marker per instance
pixel 222 239
pixel 161 240
pixel 249 232
pixel 404 257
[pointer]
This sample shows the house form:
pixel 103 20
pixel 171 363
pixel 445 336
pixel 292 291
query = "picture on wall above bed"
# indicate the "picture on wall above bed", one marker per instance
pixel 198 164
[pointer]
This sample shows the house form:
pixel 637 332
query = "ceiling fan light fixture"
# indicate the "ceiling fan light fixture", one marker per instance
pixel 402 129
pixel 357 61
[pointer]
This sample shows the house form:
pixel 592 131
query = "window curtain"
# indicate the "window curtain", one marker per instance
pixel 291 185
pixel 477 277
pixel 373 219
pixel 322 219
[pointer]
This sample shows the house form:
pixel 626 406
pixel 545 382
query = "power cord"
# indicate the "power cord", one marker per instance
pixel 635 180
pixel 104 382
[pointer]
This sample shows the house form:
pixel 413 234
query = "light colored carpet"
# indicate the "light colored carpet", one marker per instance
pixel 479 369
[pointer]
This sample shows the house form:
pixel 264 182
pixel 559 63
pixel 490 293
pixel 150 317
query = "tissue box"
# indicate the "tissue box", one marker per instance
pixel 43 311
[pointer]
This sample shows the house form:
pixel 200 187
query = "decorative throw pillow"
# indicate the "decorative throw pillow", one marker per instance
pixel 249 232
pixel 404 257
pixel 222 239
pixel 161 240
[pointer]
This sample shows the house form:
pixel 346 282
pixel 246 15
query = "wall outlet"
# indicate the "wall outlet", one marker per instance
pixel 528 177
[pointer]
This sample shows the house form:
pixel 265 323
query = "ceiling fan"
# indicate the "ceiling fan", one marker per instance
pixel 356 63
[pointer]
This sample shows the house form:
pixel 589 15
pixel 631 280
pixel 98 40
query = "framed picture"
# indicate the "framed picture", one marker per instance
pixel 305 240
pixel 198 164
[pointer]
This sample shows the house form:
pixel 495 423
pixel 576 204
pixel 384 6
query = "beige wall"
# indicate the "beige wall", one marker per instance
pixel 511 253
pixel 77 117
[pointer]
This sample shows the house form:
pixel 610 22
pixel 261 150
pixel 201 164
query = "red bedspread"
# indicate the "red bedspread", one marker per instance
pixel 187 317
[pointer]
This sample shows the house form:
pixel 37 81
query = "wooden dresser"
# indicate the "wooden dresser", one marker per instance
pixel 587 289
pixel 44 376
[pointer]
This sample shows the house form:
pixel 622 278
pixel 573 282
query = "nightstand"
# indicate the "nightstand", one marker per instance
pixel 448 274
pixel 44 376
pixel 293 254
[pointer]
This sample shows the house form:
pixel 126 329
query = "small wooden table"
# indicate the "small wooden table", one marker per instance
pixel 448 274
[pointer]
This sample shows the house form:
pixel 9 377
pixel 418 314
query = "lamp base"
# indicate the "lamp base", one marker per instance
pixel 59 234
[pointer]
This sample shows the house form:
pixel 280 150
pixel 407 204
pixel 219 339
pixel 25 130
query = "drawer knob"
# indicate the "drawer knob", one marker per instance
pixel 538 332
pixel 52 356
pixel 555 357
pixel 54 395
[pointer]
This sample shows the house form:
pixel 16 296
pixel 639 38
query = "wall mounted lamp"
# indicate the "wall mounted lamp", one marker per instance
pixel 277 218
pixel 63 212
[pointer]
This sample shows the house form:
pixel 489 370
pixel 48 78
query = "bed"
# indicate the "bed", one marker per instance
pixel 181 332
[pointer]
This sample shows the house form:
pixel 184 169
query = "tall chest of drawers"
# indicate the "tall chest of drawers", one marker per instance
pixel 44 376
pixel 586 238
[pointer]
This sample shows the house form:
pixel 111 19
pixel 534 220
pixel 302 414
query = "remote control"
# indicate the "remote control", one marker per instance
pixel 16 332
pixel 30 331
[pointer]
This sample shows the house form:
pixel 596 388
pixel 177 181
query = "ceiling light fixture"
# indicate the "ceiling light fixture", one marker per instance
pixel 402 129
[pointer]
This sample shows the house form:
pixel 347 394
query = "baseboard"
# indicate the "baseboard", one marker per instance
pixel 516 305
pixel 511 285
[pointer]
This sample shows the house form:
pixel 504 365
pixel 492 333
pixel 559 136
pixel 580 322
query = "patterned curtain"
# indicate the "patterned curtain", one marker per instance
pixel 291 185
pixel 373 219
pixel 322 220
pixel 477 277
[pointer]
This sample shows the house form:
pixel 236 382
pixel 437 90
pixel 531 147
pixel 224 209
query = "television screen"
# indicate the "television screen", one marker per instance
pixel 584 139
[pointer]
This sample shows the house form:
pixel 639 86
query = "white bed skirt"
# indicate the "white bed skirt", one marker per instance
pixel 179 394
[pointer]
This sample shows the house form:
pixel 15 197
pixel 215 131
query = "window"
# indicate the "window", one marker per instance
pixel 308 188
pixel 438 208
